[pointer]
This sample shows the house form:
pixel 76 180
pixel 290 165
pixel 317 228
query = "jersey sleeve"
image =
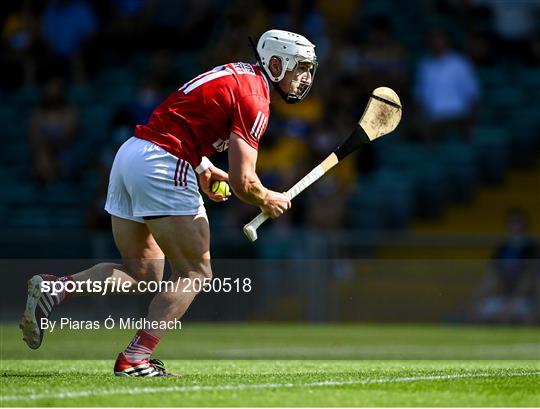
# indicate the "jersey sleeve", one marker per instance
pixel 250 119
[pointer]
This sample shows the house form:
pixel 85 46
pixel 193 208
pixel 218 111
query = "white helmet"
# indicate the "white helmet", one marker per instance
pixel 291 49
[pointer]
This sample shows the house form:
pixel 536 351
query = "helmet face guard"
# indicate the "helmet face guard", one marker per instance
pixel 297 54
pixel 299 88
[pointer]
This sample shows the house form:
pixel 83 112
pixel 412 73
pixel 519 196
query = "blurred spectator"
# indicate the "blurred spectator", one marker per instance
pixel 18 43
pixel 182 25
pixel 281 167
pixel 515 23
pixel 508 293
pixel 446 90
pixel 67 26
pixel 230 41
pixel 333 190
pixel 534 57
pixel 121 129
pixel 128 7
pixel 163 72
pixel 147 98
pixel 51 135
pixel 477 48
pixel 382 59
pixel 167 42
pixel 127 29
pixel 330 191
pixel 304 16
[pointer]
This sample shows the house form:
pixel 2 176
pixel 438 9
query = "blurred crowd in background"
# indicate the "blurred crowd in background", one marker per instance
pixel 77 75
pixel 70 56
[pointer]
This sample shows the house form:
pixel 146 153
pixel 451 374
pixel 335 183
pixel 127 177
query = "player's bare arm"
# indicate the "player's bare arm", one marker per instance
pixel 245 182
pixel 381 117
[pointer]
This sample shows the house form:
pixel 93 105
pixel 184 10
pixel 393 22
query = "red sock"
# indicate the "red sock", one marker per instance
pixel 141 346
pixel 63 295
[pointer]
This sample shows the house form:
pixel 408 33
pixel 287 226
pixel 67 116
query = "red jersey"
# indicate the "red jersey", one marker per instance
pixel 197 119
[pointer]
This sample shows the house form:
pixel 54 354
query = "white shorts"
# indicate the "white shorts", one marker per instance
pixel 146 180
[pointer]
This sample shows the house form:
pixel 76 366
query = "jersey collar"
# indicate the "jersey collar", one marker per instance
pixel 261 73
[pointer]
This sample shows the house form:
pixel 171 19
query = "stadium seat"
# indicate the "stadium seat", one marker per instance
pixel 395 189
pixel 366 204
pixel 81 95
pixel 91 180
pixel 524 130
pixel 458 158
pixel 67 217
pixel 398 155
pixel 119 95
pixel 63 195
pixel 7 113
pixel 492 152
pixel 431 189
pixel 418 168
pixel 26 97
pixel 30 216
pixel 377 8
pixel 529 78
pixel 187 66
pixel 488 113
pixel 18 193
pixel 16 156
pixel 138 65
pixel 15 123
pixel 94 124
pixel 112 77
pixel 492 77
pixel 273 245
pixel 506 97
pixel 365 209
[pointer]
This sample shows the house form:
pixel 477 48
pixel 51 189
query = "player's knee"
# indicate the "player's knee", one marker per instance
pixel 152 270
pixel 201 273
pixel 145 270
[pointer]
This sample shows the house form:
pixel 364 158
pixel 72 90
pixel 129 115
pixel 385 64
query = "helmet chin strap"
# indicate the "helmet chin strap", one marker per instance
pixel 287 96
pixel 283 95
pixel 293 98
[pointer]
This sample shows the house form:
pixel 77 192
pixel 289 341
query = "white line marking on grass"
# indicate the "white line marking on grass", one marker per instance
pixel 197 388
pixel 398 350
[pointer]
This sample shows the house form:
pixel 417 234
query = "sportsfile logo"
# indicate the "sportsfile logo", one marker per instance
pixel 110 285
pixel 115 285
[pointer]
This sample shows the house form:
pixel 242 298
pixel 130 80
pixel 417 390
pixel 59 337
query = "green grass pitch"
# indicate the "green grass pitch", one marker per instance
pixel 282 365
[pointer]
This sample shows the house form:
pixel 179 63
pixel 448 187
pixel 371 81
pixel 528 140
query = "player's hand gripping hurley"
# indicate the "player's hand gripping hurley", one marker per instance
pixel 381 116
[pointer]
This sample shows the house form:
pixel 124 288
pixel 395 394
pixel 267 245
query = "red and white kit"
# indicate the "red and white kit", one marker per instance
pixel 153 171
